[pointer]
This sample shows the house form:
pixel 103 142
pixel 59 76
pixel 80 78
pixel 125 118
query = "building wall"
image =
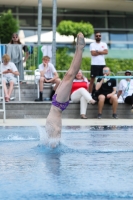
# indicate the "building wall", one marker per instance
pixel 116 27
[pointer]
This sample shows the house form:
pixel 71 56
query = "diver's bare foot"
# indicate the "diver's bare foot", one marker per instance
pixel 80 41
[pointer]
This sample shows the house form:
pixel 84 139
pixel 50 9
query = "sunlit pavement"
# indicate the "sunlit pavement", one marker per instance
pixel 68 122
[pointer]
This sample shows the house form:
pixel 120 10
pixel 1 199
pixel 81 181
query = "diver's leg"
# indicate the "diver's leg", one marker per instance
pixel 64 89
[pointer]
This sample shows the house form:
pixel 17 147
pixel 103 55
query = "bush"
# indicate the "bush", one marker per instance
pixel 63 61
pixel 8 26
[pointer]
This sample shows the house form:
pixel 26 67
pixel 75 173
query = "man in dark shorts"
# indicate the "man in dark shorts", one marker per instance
pixel 107 93
pixel 98 49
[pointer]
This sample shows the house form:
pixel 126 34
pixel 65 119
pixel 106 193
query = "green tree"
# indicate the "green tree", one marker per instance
pixel 8 26
pixel 73 28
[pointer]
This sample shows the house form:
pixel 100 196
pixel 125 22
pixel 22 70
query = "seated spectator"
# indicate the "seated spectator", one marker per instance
pixel 48 74
pixel 79 93
pixel 107 93
pixel 126 89
pixel 9 71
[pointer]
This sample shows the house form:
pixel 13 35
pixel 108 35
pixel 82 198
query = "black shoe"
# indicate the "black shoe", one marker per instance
pixel 38 99
pixel 132 109
pixel 99 116
pixel 115 116
pixel 51 95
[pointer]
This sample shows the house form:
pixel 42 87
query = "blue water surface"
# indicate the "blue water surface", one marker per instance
pixel 90 163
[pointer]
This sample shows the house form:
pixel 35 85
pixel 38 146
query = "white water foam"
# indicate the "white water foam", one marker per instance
pixel 44 139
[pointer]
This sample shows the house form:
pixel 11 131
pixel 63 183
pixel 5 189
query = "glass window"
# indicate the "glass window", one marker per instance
pixel 27 20
pixel 130 39
pixel 117 40
pixel 5 9
pixel 46 10
pixel 27 9
pixel 99 12
pixel 116 13
pixel 117 22
pixel 99 22
pixel 47 21
pixel 74 11
pixel 75 18
pixel 129 22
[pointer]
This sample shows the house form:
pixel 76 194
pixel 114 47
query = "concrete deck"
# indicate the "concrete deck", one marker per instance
pixel 68 122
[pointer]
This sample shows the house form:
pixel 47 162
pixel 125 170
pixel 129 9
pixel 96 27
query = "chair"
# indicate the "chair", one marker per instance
pixel 16 86
pixel 37 78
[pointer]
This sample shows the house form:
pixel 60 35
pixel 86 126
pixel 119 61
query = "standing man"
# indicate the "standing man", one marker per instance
pixel 98 49
pixel 48 74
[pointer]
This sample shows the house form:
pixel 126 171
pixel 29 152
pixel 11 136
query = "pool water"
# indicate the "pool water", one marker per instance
pixel 90 163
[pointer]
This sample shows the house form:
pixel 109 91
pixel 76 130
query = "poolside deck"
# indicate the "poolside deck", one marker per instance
pixel 68 122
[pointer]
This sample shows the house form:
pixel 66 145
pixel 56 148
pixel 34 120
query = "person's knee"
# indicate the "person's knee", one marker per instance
pixel 82 90
pixel 57 81
pixel 101 98
pixel 41 79
pixel 114 99
pixel 69 74
pixel 11 83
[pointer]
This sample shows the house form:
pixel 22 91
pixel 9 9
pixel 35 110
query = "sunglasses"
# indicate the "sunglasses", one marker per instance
pixel 98 35
pixel 15 37
pixel 104 71
pixel 127 74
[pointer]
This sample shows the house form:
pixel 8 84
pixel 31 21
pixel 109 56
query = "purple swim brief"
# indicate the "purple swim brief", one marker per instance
pixel 62 106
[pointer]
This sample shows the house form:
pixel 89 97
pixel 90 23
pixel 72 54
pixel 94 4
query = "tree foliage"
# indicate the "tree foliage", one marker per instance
pixel 8 26
pixel 73 28
pixel 63 61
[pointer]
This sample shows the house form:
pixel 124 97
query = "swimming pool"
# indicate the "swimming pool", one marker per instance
pixel 90 163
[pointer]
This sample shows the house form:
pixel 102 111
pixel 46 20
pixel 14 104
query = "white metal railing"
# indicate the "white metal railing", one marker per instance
pixel 29 76
pixel 2 96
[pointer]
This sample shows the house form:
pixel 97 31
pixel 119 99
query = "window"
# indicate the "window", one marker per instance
pixel 117 22
pixel 130 39
pixel 129 22
pixel 27 10
pixel 117 40
pixel 27 20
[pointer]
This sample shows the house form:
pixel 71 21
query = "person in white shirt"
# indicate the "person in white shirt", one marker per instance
pixel 9 71
pixel 126 89
pixel 48 74
pixel 98 49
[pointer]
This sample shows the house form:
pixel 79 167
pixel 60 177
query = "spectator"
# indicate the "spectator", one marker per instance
pixel 9 71
pixel 48 74
pixel 126 89
pixel 14 50
pixel 79 93
pixel 98 49
pixel 107 93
